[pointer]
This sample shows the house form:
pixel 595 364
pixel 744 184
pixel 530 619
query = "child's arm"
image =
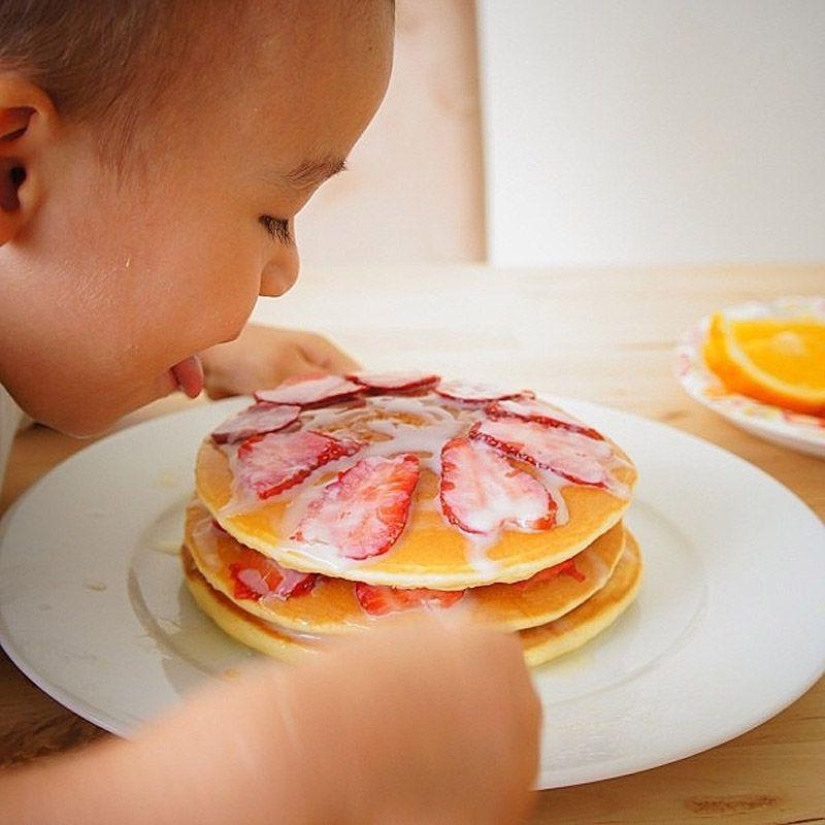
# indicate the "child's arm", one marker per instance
pixel 422 723
pixel 264 356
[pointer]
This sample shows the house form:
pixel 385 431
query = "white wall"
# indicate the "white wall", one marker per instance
pixel 653 131
pixel 413 191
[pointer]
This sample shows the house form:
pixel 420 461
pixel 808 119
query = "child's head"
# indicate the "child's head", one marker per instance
pixel 153 154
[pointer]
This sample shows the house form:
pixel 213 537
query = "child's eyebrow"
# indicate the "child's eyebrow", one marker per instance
pixel 312 173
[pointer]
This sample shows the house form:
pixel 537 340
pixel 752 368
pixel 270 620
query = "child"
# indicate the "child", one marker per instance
pixel 153 155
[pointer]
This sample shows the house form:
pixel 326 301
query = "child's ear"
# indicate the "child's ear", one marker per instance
pixel 27 122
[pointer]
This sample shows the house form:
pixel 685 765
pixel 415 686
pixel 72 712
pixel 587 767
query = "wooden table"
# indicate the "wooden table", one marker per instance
pixel 605 335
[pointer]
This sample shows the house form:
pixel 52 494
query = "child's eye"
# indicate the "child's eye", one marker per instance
pixel 278 228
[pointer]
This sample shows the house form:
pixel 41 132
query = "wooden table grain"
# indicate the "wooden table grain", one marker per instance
pixel 603 335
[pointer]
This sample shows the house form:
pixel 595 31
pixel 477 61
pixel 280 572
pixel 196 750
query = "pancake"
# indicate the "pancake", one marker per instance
pixel 541 644
pixel 321 605
pixel 600 611
pixel 412 482
pixel 249 630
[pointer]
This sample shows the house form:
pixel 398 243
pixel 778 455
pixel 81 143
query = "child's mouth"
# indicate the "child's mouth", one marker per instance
pixel 188 375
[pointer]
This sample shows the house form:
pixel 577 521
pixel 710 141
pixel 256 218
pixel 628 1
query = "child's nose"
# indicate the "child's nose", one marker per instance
pixel 280 272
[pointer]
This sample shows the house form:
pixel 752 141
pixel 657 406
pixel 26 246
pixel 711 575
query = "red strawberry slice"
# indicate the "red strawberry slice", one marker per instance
pixel 392 382
pixel 570 455
pixel 256 576
pixel 379 600
pixel 475 393
pixel 564 568
pixel 531 409
pixel 481 491
pixel 318 390
pixel 259 418
pixel 362 512
pixel 273 462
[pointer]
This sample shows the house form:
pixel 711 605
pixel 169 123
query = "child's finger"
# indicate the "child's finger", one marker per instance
pixel 321 352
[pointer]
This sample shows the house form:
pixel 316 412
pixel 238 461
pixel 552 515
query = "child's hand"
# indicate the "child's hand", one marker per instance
pixel 422 722
pixel 264 356
pixel 419 723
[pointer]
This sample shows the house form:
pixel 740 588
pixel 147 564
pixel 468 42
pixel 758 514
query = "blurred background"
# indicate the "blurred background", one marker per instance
pixel 589 132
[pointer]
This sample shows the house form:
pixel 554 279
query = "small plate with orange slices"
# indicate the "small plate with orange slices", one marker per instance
pixel 761 365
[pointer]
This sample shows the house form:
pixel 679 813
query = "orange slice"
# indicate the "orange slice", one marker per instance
pixel 780 361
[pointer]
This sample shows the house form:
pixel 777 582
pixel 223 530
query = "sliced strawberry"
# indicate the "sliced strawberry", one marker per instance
pixel 256 576
pixel 273 462
pixel 482 491
pixel 362 512
pixel 250 586
pixel 475 393
pixel 395 382
pixel 318 390
pixel 379 600
pixel 259 418
pixel 531 409
pixel 570 455
pixel 564 568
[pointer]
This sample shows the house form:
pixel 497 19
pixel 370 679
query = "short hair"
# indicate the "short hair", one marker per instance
pixel 111 61
pixel 100 60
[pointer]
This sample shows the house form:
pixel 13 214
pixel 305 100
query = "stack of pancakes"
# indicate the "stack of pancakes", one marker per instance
pixel 332 503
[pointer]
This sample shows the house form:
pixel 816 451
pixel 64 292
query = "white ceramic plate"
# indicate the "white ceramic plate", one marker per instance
pixel 729 627
pixel 804 433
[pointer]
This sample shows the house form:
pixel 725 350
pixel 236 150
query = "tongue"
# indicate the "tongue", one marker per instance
pixel 189 375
